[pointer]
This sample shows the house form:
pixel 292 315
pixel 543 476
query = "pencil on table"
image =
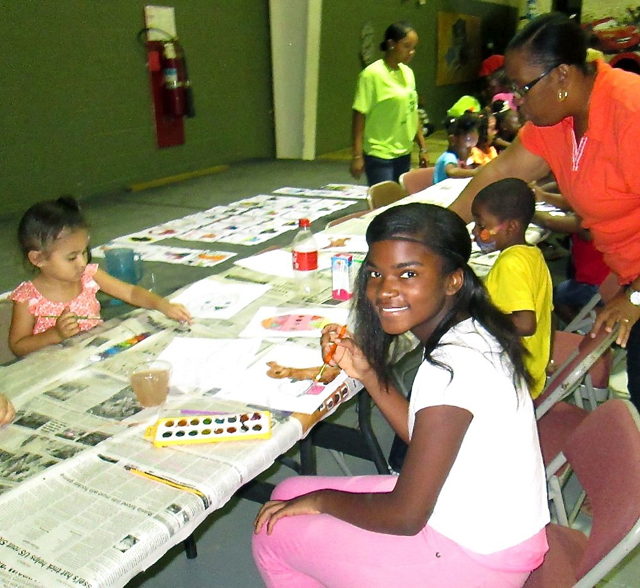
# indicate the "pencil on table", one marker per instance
pixel 166 481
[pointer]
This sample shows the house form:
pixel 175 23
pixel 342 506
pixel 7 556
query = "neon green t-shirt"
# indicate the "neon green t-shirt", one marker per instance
pixel 520 280
pixel 389 102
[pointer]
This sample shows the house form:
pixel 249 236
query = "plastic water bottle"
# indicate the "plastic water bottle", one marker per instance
pixel 305 259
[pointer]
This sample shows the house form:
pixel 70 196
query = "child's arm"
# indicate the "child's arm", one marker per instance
pixel 502 143
pixel 357 155
pixel 510 287
pixel 7 412
pixel 22 341
pixel 553 198
pixel 567 223
pixel 454 171
pixel 137 296
pixel 525 322
pixel 423 155
pixel 437 436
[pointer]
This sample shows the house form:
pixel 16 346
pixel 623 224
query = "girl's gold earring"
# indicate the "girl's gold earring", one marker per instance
pixel 562 95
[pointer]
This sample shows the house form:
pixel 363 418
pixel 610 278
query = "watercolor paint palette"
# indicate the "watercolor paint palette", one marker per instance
pixel 120 347
pixel 183 430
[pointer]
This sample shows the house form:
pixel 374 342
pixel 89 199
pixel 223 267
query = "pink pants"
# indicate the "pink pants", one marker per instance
pixel 320 550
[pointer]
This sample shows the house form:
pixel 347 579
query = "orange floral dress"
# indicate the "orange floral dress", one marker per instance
pixel 46 311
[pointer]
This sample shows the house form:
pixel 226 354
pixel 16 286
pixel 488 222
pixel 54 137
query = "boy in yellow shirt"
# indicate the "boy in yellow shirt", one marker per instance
pixel 519 282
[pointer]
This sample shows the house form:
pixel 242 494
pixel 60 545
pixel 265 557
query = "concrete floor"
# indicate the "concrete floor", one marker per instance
pixel 224 539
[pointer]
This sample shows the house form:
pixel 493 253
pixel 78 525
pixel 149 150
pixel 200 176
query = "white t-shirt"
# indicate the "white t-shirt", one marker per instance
pixel 495 495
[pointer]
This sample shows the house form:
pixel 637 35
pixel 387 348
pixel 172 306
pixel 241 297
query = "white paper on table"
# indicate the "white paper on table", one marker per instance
pixel 256 387
pixel 349 190
pixel 202 364
pixel 342 243
pixel 272 322
pixel 218 299
pixel 442 194
pixel 546 207
pixel 277 262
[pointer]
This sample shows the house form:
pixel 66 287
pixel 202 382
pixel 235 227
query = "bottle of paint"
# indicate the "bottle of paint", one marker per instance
pixel 305 259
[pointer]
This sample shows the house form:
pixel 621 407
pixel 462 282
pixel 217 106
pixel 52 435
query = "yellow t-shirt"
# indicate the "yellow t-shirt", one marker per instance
pixel 480 157
pixel 520 280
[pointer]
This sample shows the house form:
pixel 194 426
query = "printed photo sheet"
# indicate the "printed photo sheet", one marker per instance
pixel 246 222
pixel 336 243
pixel 282 379
pixel 329 191
pixel 271 322
pixel 219 299
pixel 166 254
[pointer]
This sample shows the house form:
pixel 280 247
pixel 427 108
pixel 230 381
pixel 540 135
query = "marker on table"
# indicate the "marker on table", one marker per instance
pixel 331 353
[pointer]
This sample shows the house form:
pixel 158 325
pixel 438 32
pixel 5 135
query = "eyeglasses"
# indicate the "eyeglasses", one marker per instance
pixel 521 92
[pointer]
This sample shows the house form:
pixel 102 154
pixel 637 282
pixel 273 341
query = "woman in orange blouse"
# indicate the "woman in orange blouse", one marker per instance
pixel 583 125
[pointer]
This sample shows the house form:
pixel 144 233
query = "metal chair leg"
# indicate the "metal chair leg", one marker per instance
pixel 190 547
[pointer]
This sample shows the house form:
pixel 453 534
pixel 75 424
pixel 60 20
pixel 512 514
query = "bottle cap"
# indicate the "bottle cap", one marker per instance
pixel 304 223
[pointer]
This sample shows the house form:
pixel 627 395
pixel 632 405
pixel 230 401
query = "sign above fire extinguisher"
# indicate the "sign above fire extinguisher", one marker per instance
pixel 159 19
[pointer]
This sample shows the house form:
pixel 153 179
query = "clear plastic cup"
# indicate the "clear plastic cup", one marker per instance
pixel 150 382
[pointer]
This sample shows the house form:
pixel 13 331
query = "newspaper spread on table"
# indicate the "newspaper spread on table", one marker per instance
pixel 74 509
pixel 91 521
pixel 77 507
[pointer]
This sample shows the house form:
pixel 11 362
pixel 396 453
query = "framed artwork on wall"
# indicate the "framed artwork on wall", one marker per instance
pixel 459 51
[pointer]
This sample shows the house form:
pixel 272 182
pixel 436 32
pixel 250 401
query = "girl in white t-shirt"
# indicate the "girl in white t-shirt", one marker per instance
pixel 469 508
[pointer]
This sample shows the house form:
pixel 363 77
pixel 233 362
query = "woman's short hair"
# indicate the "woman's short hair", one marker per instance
pixel 395 32
pixel 552 39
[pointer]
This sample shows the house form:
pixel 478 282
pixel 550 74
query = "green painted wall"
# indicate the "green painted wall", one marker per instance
pixel 76 108
pixel 342 21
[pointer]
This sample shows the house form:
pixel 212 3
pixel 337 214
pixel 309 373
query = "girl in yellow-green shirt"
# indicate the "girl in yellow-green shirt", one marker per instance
pixel 385 111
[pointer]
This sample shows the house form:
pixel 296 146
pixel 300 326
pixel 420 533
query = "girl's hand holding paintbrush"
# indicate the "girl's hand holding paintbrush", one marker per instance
pixel 67 324
pixel 338 348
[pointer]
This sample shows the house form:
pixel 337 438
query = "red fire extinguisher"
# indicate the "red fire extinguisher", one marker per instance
pixel 173 87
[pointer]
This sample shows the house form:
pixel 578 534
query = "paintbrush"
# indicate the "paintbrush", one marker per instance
pixel 330 354
pixel 83 318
